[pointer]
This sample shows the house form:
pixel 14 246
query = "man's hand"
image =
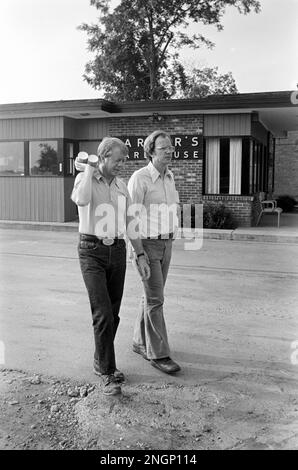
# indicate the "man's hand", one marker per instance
pixel 142 263
pixel 81 161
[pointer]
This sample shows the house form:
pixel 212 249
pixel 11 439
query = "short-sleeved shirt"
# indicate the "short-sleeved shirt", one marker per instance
pixel 158 199
pixel 105 214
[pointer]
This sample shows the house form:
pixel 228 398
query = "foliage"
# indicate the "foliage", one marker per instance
pixel 136 45
pixel 286 202
pixel 47 163
pixel 207 81
pixel 217 216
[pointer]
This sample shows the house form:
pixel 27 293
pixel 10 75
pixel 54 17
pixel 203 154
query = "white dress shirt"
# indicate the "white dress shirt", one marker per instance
pixel 157 198
pixel 105 214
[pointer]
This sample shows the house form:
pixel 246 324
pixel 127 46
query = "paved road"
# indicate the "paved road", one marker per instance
pixel 230 307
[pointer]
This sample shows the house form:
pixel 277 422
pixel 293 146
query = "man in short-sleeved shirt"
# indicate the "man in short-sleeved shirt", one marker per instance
pixel 152 188
pixel 103 203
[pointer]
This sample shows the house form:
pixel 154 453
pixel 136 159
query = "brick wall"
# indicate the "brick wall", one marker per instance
pixel 188 173
pixel 286 166
pixel 240 206
pixel 141 125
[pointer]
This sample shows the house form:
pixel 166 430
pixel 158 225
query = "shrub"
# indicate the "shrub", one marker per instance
pixel 217 216
pixel 286 203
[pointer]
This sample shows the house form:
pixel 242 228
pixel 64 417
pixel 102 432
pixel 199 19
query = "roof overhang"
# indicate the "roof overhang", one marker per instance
pixel 76 109
pixel 278 111
pixel 279 121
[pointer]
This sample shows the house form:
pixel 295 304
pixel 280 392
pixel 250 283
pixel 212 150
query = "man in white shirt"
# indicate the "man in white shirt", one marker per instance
pixel 103 203
pixel 153 189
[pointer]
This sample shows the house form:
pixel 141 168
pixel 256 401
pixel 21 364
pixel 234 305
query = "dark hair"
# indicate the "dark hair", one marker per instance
pixel 149 143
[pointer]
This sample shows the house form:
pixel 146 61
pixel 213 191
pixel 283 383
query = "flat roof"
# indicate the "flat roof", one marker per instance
pixel 57 108
pixel 236 101
pixel 277 110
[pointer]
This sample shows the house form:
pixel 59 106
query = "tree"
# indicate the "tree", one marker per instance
pixel 47 164
pixel 200 83
pixel 136 45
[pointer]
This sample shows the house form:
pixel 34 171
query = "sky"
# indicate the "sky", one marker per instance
pixel 43 54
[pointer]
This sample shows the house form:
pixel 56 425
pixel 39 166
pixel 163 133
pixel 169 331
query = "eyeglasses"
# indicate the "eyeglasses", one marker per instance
pixel 164 149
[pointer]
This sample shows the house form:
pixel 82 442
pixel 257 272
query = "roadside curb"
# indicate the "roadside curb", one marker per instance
pixel 265 238
pixel 43 226
pixel 208 234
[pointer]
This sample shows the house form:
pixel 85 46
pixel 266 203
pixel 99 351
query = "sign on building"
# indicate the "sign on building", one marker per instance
pixel 187 147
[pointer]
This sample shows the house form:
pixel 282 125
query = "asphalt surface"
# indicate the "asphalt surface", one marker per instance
pixel 229 306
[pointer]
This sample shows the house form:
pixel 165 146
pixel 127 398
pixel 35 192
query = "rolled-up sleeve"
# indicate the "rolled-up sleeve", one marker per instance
pixel 74 194
pixel 136 189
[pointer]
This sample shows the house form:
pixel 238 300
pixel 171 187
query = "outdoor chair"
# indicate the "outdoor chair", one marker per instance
pixel 269 207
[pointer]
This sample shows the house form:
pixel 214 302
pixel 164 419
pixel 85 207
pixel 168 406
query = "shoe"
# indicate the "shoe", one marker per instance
pixel 165 365
pixel 111 385
pixel 118 375
pixel 140 350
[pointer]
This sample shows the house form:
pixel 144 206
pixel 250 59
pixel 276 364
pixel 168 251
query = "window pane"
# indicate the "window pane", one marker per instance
pixel 12 158
pixel 265 182
pixel 89 146
pixel 224 165
pixel 70 158
pixel 245 166
pixel 44 158
pixel 212 165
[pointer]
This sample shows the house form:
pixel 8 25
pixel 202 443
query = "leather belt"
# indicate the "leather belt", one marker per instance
pixel 166 236
pixel 103 241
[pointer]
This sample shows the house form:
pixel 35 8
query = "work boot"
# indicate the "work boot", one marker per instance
pixel 118 375
pixel 111 385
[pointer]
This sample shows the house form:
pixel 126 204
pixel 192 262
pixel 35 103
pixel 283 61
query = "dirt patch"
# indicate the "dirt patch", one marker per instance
pixel 221 415
pixel 236 412
pixel 38 412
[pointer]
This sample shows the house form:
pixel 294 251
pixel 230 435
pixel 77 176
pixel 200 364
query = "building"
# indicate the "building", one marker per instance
pixel 286 165
pixel 225 149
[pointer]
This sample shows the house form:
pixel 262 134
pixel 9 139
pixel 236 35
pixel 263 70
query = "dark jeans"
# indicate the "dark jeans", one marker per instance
pixel 103 268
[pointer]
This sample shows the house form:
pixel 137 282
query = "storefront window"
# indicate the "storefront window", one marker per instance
pixel 43 157
pixel 235 166
pixel 11 158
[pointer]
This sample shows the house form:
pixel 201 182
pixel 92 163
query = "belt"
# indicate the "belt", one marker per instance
pixel 103 241
pixel 166 236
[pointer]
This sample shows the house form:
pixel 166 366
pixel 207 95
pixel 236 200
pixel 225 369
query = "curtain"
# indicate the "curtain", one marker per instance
pixel 212 166
pixel 235 166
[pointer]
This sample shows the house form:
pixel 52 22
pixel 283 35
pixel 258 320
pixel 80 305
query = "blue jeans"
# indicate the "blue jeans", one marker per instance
pixel 150 329
pixel 103 269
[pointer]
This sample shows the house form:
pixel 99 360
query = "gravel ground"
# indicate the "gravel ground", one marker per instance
pixel 41 413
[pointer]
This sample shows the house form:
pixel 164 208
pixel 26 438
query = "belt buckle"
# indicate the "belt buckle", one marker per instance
pixel 108 241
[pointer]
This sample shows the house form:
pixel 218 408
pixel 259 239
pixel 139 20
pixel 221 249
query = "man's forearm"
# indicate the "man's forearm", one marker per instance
pixel 82 194
pixel 133 233
pixel 137 245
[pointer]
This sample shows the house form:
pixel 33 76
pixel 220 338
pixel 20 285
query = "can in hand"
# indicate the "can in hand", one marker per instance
pixel 93 160
pixel 82 157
